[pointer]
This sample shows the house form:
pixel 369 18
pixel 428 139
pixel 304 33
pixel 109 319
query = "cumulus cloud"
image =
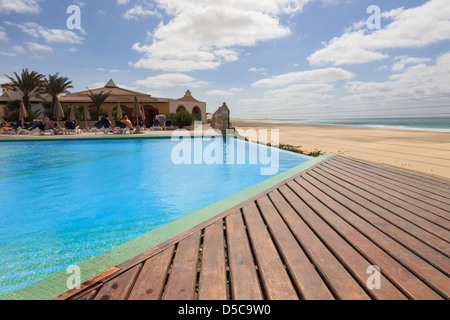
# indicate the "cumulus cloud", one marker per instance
pixel 204 34
pixel 47 34
pixel 141 9
pixel 409 28
pixel 405 60
pixel 417 81
pixel 33 46
pixel 170 80
pixel 311 76
pixel 19 6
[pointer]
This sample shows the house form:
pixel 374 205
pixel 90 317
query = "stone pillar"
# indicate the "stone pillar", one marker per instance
pixel 224 119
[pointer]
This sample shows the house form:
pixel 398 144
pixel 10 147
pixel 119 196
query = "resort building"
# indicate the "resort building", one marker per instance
pixel 8 94
pixel 152 106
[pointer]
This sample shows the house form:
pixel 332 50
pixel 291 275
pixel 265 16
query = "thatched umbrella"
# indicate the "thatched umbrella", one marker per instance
pixel 72 116
pixel 87 115
pixel 119 115
pixel 58 112
pixel 22 111
pixel 136 113
pixel 110 116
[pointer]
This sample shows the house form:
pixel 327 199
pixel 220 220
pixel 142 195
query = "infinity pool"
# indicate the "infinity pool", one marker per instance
pixel 63 202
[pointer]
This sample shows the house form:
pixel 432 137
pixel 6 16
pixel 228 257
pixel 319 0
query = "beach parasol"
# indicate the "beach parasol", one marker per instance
pixel 119 115
pixel 22 111
pixel 136 113
pixel 72 116
pixel 87 115
pixel 110 116
pixel 58 112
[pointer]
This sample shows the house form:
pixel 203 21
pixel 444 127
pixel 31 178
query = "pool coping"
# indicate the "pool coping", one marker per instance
pixel 55 285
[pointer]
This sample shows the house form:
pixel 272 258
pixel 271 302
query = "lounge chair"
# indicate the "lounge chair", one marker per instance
pixel 168 125
pixel 31 128
pixel 100 126
pixel 156 125
pixel 6 127
pixel 71 127
pixel 121 128
pixel 43 129
pixel 15 128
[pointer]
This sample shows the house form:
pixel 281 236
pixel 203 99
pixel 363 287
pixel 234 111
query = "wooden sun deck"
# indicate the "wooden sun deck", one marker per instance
pixel 311 237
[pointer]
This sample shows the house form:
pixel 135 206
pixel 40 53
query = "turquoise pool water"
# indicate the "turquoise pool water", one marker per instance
pixel 63 202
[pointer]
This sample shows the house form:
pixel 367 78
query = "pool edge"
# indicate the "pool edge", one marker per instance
pixel 55 285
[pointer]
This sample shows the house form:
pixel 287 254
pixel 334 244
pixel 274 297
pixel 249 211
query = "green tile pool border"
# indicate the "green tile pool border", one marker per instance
pixel 55 285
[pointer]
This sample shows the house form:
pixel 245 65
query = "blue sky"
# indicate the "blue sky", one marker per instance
pixel 265 58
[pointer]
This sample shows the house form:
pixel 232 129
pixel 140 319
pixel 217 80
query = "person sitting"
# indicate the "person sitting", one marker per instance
pixel 51 125
pixel 127 122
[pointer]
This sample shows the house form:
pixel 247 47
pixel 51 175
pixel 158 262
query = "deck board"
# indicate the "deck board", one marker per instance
pixel 311 237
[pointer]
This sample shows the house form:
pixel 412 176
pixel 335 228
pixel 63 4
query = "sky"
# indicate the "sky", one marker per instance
pixel 284 59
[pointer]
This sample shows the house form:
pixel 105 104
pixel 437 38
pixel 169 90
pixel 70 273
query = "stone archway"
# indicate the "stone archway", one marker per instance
pixel 196 111
pixel 181 108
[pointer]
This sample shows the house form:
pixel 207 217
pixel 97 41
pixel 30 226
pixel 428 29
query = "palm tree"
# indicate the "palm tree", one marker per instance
pixel 28 83
pixel 98 98
pixel 56 85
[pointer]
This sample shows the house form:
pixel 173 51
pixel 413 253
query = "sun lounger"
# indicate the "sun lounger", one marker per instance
pixel 15 128
pixel 121 128
pixel 168 125
pixel 156 125
pixel 71 127
pixel 43 129
pixel 31 128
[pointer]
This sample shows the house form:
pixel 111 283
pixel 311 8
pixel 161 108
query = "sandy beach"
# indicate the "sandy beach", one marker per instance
pixel 424 151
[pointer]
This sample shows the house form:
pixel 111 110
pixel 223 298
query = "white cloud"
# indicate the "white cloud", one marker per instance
pixel 259 70
pixel 410 28
pixel 141 9
pixel 123 2
pixel 230 92
pixel 14 52
pixel 170 80
pixel 19 6
pixel 48 34
pixel 219 93
pixel 3 36
pixel 204 34
pixel 33 46
pixel 310 76
pixel 417 81
pixel 405 60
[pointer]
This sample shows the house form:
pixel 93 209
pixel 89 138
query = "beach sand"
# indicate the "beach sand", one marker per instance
pixel 424 151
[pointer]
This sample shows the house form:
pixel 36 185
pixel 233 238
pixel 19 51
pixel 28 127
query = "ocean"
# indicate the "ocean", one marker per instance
pixel 427 124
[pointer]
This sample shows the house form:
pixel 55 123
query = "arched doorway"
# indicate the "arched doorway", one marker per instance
pixel 181 108
pixel 197 112
pixel 150 113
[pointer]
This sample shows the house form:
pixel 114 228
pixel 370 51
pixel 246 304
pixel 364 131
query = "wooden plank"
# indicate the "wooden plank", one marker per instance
pixel 273 274
pixel 418 208
pixel 88 295
pixel 438 181
pixel 213 274
pixel 402 218
pixel 401 276
pixel 424 186
pixel 87 285
pixel 243 276
pixel 118 288
pixel 150 283
pixel 182 278
pixel 405 186
pixel 303 273
pixel 318 239
pixel 360 208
